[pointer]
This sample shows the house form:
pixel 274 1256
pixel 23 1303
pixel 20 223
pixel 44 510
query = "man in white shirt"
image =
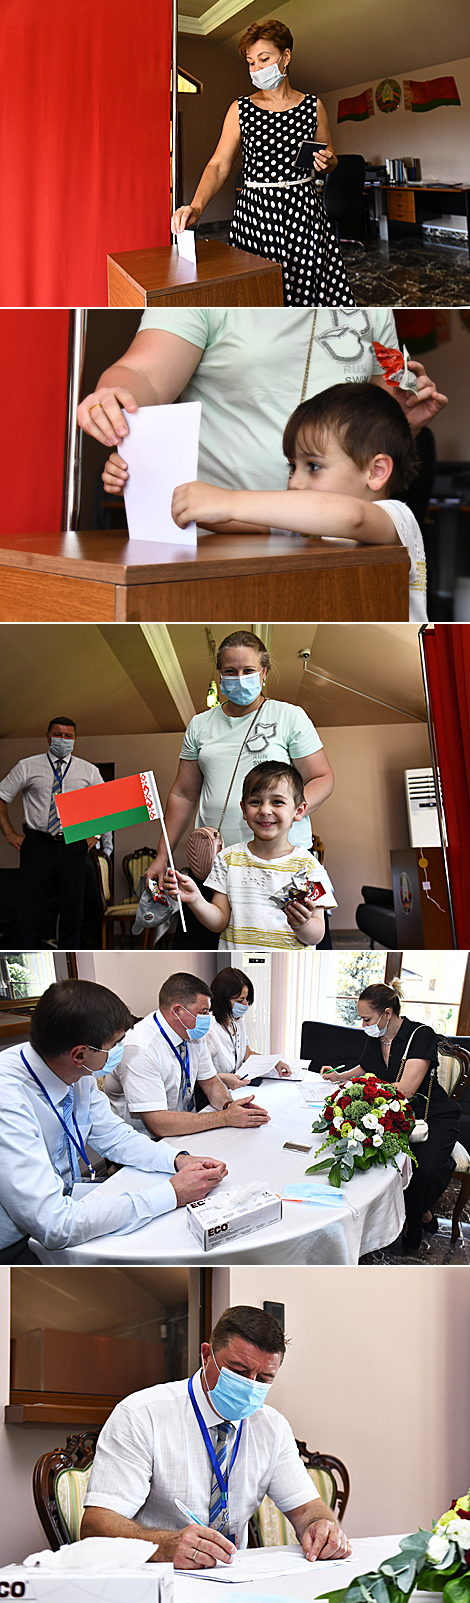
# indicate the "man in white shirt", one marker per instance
pixel 163 1058
pixel 46 861
pixel 51 1108
pixel 210 1442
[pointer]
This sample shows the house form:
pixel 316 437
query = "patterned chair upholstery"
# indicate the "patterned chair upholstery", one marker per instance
pixel 270 1528
pixel 60 1480
pixel 122 913
pixel 454 1075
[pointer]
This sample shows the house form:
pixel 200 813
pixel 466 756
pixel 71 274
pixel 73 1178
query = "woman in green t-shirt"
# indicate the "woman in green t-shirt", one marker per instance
pixel 210 750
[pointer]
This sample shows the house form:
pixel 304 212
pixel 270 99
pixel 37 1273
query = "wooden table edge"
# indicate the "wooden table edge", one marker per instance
pixel 310 558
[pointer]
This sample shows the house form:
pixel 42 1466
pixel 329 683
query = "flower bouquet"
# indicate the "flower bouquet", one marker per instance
pixel 432 1561
pixel 367 1123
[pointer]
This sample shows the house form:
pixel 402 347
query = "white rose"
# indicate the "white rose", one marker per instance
pixel 458 1531
pixel 437 1549
pixel 358 1135
pixel 377 1139
pixel 394 1107
pixel 338 1122
pixel 370 1120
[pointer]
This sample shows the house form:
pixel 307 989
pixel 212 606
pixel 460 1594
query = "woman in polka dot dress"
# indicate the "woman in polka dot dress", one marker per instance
pixel 279 213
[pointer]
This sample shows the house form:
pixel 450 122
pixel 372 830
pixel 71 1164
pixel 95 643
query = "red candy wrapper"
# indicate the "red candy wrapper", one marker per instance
pixel 395 366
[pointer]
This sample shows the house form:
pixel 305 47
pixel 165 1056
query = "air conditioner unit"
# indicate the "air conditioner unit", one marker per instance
pixel 421 807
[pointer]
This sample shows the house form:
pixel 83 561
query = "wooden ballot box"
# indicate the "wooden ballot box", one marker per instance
pixel 422 917
pixel 222 276
pixel 104 577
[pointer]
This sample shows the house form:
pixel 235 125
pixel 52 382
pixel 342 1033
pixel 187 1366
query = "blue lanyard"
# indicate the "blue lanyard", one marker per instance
pixel 221 1482
pixel 78 1144
pixel 174 1049
pixel 60 781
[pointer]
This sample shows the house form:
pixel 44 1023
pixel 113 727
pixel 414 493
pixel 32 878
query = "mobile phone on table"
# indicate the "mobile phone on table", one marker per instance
pixel 307 152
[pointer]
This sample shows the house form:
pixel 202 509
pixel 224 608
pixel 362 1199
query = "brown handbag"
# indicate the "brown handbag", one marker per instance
pixel 204 843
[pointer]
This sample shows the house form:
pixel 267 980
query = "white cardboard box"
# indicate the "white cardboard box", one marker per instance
pixel 212 1225
pixel 147 1585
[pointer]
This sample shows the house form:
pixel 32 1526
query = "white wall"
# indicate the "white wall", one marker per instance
pixel 20 1446
pixel 377 1374
pixel 137 976
pixel 440 138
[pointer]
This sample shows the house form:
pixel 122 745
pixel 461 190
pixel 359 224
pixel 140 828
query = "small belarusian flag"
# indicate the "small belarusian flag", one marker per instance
pixel 98 808
pixel 430 93
pixel 357 108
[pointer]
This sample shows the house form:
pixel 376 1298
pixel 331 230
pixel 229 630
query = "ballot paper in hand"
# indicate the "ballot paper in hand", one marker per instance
pixel 161 451
pixel 186 243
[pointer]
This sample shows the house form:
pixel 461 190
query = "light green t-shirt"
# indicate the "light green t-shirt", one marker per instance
pixel 251 372
pixel 281 732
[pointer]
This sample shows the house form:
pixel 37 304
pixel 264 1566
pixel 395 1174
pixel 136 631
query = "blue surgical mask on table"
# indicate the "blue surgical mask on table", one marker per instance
pixel 268 77
pixel 241 691
pixel 60 747
pixel 239 1009
pixel 234 1396
pixel 373 1029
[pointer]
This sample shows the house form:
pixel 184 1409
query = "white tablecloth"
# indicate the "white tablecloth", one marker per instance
pixel 370 1216
pixel 368 1553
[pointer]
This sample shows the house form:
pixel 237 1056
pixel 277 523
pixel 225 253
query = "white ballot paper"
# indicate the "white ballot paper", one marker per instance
pixel 161 451
pixel 186 243
pixel 244 1567
pixel 265 1065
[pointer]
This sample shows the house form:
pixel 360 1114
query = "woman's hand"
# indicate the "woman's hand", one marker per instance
pixel 201 503
pixel 115 474
pixel 325 161
pixel 423 407
pixel 340 1078
pixel 101 415
pixel 185 217
pixel 282 1069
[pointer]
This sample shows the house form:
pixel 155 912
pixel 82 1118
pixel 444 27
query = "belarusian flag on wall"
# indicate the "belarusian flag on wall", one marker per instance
pixel 99 808
pixel 357 108
pixel 430 93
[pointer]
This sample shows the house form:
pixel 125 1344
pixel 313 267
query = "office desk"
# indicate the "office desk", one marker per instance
pixel 408 206
pixel 223 276
pixel 106 577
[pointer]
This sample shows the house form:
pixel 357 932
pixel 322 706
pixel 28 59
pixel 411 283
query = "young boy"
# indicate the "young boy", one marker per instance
pixel 352 446
pixel 248 876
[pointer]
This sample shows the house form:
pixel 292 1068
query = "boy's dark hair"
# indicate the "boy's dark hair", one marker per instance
pixel 254 1325
pixel 182 988
pixel 68 721
pixel 261 777
pixel 225 986
pixel 76 1013
pixel 366 420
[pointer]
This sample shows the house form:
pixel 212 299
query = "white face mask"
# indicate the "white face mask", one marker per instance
pixel 373 1029
pixel 268 77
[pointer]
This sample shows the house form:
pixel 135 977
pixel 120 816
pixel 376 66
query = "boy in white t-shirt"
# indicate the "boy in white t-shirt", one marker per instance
pixel 351 446
pixel 251 878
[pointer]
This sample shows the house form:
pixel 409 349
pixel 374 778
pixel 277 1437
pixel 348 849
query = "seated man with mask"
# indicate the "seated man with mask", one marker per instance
pixel 210 1442
pixel 50 1107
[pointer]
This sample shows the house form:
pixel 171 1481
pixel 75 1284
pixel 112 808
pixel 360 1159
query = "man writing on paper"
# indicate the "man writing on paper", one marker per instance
pixel 46 862
pixel 211 1442
pixel 51 1107
pixel 164 1056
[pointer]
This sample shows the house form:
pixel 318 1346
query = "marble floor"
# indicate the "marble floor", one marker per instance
pixel 418 272
pixel 435 1249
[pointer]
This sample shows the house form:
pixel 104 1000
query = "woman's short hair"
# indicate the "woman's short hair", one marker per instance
pixel 382 996
pixel 243 637
pixel 254 1325
pixel 225 986
pixel 76 1013
pixel 365 419
pixel 274 32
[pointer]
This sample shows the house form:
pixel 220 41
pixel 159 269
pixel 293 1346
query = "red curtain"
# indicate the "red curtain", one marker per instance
pixel 33 385
pixel 447 655
pixel 84 119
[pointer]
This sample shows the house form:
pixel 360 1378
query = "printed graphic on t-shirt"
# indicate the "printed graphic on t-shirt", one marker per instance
pixel 348 339
pixel 260 737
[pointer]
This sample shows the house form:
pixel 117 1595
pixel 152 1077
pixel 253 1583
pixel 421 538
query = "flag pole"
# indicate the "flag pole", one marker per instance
pixel 153 788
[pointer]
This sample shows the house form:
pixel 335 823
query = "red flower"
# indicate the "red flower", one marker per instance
pixel 467 1556
pixel 328 1113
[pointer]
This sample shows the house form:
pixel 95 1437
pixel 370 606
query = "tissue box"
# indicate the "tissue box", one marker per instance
pixel 212 1225
pixel 133 1586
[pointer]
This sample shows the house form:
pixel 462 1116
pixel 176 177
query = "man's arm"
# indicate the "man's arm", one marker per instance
pixel 242 1114
pixel 11 834
pixel 318 1531
pixel 174 1547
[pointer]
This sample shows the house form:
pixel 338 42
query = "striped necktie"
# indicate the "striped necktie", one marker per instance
pixel 186 1095
pixel 218 1512
pixel 54 826
pixel 67 1146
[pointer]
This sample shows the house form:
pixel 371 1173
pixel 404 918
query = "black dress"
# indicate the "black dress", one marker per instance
pixel 435 1164
pixel 289 226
